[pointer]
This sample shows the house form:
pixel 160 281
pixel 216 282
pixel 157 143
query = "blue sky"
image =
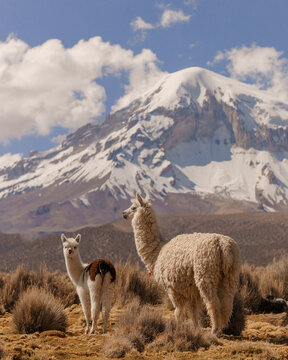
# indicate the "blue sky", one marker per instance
pixel 64 63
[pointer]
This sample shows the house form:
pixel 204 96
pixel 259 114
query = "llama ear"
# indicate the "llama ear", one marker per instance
pixel 147 199
pixel 139 198
pixel 78 238
pixel 63 238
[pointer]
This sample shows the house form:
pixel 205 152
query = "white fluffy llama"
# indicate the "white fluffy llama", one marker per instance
pixel 191 267
pixel 94 283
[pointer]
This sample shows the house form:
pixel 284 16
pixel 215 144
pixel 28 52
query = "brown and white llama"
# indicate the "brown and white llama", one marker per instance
pixel 94 283
pixel 191 267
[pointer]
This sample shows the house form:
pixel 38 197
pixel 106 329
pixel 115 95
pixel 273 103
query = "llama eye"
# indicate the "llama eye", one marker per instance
pixel 75 247
pixel 133 208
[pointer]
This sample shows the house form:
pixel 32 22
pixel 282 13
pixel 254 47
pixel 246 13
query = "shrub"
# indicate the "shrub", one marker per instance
pixel 38 310
pixel 143 325
pixel 117 347
pixel 59 285
pixel 137 326
pixel 14 284
pixel 249 289
pixel 133 282
pixel 258 283
pixel 273 278
pixel 181 338
pixel 150 324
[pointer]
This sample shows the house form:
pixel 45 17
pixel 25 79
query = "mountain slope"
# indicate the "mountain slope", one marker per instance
pixel 197 141
pixel 261 237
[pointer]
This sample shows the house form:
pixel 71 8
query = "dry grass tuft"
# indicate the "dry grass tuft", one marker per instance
pixel 138 326
pixel 181 338
pixel 59 285
pixel 257 284
pixel 285 320
pixel 133 282
pixel 273 279
pixel 249 289
pixel 38 310
pixel 2 351
pixel 117 347
pixel 143 325
pixel 150 324
pixel 249 349
pixel 14 284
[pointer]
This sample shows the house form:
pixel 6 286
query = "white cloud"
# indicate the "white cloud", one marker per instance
pixel 58 139
pixel 140 24
pixel 48 85
pixel 171 17
pixel 265 66
pixel 141 78
pixel 191 3
pixel 168 18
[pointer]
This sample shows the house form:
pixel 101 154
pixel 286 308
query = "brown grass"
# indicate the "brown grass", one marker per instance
pixel 259 282
pixel 12 285
pixel 181 338
pixel 250 350
pixel 143 325
pixel 138 329
pixel 133 282
pixel 2 352
pixel 260 341
pixel 38 310
pixel 273 279
pixel 249 288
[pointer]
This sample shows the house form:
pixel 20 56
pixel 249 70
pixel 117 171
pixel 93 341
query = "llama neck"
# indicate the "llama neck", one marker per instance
pixel 147 238
pixel 75 268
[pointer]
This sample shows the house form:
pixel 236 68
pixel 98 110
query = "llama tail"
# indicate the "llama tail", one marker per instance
pixel 230 261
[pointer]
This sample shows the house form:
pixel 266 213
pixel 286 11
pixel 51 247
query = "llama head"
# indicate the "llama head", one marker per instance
pixel 138 204
pixel 70 245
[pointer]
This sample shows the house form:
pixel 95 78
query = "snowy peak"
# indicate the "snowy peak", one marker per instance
pixel 195 133
pixel 193 85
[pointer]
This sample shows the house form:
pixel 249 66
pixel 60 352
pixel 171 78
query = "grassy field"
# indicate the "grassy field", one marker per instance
pixel 263 338
pixel 141 324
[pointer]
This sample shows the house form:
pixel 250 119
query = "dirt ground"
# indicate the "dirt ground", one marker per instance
pixel 264 338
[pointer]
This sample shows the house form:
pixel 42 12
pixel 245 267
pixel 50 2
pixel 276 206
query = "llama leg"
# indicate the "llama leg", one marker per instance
pixel 179 304
pixel 86 307
pixel 213 306
pixel 95 298
pixel 226 308
pixel 107 299
pixel 194 309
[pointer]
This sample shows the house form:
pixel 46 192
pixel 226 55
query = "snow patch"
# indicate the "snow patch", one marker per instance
pixel 84 200
pixel 9 160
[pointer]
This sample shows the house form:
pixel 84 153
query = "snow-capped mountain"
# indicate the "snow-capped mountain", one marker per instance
pixel 194 136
